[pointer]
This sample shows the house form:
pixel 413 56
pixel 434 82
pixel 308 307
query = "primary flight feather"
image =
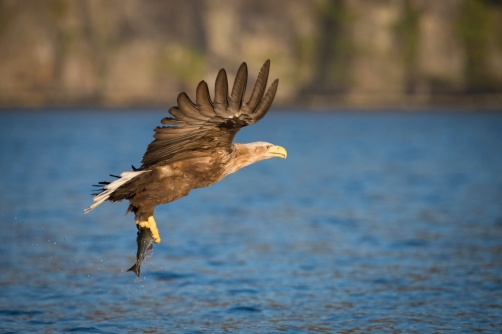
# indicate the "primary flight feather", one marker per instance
pixel 194 150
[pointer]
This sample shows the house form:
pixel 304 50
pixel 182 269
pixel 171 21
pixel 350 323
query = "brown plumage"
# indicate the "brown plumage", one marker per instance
pixel 195 149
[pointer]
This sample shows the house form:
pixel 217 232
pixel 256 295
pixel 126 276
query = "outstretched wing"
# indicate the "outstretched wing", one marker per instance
pixel 208 125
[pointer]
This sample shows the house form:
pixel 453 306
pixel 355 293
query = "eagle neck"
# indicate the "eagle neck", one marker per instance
pixel 242 155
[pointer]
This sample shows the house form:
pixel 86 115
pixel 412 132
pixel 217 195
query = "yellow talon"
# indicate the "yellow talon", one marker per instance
pixel 152 225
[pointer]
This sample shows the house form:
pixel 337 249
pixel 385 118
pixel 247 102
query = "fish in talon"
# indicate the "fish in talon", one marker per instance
pixel 145 241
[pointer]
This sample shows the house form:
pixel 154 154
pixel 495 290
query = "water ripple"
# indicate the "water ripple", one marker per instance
pixel 376 222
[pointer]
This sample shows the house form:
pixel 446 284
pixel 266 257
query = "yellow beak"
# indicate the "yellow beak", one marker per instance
pixel 278 151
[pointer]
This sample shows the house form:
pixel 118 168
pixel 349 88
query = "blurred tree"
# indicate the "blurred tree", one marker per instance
pixel 479 25
pixel 408 34
pixel 334 49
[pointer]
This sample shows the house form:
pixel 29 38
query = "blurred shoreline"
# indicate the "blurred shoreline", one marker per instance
pixel 360 102
pixel 327 54
pixel 320 108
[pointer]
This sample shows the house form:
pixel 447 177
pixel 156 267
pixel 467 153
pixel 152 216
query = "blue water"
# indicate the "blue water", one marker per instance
pixel 375 222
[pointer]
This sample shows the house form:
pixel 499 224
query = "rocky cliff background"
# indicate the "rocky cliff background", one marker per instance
pixel 327 54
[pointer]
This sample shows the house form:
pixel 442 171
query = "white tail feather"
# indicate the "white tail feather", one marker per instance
pixel 110 188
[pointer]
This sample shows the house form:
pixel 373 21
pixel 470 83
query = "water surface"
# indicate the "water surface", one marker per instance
pixel 377 221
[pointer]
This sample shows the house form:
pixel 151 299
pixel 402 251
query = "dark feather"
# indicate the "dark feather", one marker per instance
pixel 258 90
pixel 204 103
pixel 235 99
pixel 118 177
pixel 187 107
pixel 266 102
pixel 221 94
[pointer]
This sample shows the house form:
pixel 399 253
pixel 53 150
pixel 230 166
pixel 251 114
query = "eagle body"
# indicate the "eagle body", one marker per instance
pixel 194 150
pixel 170 181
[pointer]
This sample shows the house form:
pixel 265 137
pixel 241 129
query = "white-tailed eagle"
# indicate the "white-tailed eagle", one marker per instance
pixel 194 150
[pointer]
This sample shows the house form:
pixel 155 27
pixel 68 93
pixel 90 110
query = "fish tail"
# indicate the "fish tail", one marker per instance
pixel 136 268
